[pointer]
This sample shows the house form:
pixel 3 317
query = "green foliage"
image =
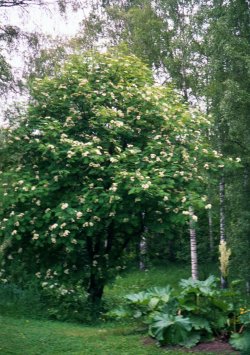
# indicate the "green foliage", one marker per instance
pixel 197 287
pixel 170 329
pixel 67 302
pixel 144 303
pixel 20 334
pixel 241 342
pixel 197 313
pixel 98 137
pixel 203 300
pixel 18 302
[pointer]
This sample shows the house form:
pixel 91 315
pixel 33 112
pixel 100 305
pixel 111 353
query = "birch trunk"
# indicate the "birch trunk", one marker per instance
pixel 193 245
pixel 143 246
pixel 211 236
pixel 222 209
pixel 246 193
pixel 143 251
pixel 224 282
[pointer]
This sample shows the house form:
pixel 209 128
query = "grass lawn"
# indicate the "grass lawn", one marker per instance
pixel 26 336
pixel 23 331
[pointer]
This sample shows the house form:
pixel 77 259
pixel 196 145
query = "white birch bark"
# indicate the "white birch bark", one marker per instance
pixel 211 236
pixel 193 245
pixel 245 183
pixel 143 251
pixel 143 246
pixel 224 283
pixel 222 209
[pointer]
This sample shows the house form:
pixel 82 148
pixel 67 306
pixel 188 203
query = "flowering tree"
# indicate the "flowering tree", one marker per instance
pixel 101 146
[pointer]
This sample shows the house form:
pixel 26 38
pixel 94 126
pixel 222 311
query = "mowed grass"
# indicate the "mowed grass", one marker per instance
pixel 20 333
pixel 26 337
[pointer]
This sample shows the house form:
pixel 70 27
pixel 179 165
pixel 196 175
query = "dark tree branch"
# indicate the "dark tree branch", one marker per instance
pixel 11 3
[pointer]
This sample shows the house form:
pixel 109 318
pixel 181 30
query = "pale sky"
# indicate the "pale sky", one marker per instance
pixel 45 20
pixel 48 21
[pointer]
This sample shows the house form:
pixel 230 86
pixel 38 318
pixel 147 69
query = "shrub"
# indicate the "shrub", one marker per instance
pixel 199 312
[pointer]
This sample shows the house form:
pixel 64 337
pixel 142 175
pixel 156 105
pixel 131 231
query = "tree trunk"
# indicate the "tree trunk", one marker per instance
pixel 245 205
pixel 143 246
pixel 211 236
pixel 224 281
pixel 222 209
pixel 193 246
pixel 143 251
pixel 95 289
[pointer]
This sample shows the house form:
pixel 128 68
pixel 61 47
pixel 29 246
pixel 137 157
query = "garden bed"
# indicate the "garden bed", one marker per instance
pixel 217 346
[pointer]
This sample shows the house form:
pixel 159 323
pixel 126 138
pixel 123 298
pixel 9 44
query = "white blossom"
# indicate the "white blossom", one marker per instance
pixel 146 186
pixel 64 206
pixel 208 206
pixel 53 226
pixel 70 154
pixel 79 214
pixel 66 233
pixel 113 187
pixel 194 218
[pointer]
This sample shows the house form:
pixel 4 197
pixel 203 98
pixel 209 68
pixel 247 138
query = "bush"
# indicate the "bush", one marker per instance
pixel 199 312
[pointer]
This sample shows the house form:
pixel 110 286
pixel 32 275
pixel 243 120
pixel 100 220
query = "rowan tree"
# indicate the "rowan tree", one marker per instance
pixel 100 148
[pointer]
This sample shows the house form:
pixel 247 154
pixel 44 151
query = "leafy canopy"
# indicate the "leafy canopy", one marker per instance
pixel 100 145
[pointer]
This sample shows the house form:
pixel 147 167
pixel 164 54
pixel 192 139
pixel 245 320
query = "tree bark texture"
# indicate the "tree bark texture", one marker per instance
pixel 211 236
pixel 193 246
pixel 143 245
pixel 222 209
pixel 224 281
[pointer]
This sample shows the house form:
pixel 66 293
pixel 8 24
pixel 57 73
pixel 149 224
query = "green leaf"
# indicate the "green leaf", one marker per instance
pixel 192 339
pixel 245 318
pixel 153 302
pixel 119 313
pixel 241 341
pixel 170 329
pixel 199 323
pixel 137 314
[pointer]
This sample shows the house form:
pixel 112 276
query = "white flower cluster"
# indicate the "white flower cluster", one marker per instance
pixel 64 206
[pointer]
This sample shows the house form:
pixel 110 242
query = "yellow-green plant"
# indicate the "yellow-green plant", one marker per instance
pixel 225 253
